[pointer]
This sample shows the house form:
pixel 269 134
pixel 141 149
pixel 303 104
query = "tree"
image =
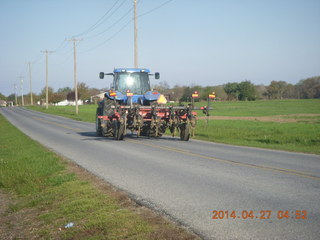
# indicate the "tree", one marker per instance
pixel 2 97
pixel 83 91
pixel 277 89
pixel 57 97
pixel 11 97
pixel 176 93
pixel 246 91
pixel 43 94
pixel 232 90
pixel 64 91
pixel 309 88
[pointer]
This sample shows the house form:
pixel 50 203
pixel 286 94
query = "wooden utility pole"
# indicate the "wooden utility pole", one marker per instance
pixel 15 94
pixel 135 34
pixel 21 90
pixel 75 73
pixel 47 88
pixel 30 77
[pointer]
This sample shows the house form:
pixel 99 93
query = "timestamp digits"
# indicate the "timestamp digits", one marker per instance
pixel 260 214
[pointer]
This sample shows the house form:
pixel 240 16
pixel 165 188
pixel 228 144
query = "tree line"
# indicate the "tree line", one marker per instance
pixel 243 91
pixel 246 91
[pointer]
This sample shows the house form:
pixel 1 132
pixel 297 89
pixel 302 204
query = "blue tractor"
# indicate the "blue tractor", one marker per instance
pixel 131 104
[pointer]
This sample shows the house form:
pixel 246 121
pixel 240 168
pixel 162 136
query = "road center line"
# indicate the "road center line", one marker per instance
pixel 57 124
pixel 263 167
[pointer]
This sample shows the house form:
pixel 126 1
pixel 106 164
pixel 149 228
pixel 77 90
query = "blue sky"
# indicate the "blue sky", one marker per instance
pixel 208 42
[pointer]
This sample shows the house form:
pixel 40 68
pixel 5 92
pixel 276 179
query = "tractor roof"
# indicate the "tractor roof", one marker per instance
pixel 118 70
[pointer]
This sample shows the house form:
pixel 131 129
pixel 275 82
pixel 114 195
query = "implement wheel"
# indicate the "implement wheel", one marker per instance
pixel 118 129
pixel 184 132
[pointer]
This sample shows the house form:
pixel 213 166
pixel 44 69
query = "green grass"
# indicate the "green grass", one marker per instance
pixel 48 196
pixel 302 136
pixel 264 108
pixel 87 113
pixel 299 137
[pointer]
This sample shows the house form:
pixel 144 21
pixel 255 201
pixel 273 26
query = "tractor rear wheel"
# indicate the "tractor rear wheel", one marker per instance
pixel 98 124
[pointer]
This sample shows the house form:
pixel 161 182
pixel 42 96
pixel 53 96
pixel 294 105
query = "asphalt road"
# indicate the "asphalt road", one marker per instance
pixel 188 181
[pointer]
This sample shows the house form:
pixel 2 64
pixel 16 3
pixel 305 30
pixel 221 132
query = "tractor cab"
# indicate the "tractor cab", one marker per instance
pixel 133 82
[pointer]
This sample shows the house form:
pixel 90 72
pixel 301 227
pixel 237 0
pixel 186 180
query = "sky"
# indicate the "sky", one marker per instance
pixel 190 42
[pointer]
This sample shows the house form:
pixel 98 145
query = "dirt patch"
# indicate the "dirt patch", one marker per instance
pixel 11 226
pixel 311 118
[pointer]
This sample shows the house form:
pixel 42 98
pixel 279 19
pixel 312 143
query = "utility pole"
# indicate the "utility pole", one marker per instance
pixel 15 94
pixel 21 89
pixel 135 34
pixel 75 73
pixel 47 91
pixel 30 76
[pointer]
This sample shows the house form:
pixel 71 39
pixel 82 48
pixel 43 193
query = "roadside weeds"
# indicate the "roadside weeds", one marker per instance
pixel 41 192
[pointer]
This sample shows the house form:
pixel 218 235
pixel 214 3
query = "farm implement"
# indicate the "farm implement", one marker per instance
pixel 130 104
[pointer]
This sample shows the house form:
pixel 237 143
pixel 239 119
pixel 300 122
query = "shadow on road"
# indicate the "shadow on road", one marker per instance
pixel 93 136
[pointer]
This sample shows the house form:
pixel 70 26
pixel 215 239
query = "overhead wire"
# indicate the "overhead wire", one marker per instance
pixel 111 26
pixel 107 40
pixel 154 9
pixel 124 26
pixel 99 22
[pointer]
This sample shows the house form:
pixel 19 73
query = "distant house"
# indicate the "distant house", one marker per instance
pixel 68 103
pixel 97 98
pixel 3 103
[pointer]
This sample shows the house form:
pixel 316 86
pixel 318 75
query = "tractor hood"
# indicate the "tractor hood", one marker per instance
pixel 144 99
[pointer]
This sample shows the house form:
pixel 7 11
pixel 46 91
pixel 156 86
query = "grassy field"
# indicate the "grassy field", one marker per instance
pixel 40 193
pixel 292 125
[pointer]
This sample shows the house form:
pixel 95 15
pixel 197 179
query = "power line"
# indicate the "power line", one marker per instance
pixel 154 9
pixel 111 26
pixel 107 40
pixel 94 26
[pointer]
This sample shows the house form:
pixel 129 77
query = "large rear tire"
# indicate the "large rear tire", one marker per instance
pixel 98 124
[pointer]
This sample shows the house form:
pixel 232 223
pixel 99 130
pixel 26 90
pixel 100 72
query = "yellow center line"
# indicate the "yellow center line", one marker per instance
pixel 274 169
pixel 57 124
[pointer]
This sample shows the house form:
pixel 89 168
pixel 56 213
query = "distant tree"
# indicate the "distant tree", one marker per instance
pixel 11 97
pixel 261 91
pixel 309 88
pixel 290 91
pixel 246 91
pixel 277 89
pixel 186 96
pixel 64 91
pixel 43 94
pixel 3 97
pixel 71 96
pixel 176 93
pixel 232 90
pixel 83 91
pixel 206 91
pixel 57 97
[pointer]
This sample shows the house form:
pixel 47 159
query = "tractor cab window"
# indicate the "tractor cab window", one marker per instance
pixel 136 82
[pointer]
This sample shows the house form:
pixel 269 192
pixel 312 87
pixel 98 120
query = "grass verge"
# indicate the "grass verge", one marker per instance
pixel 41 192
pixel 296 137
